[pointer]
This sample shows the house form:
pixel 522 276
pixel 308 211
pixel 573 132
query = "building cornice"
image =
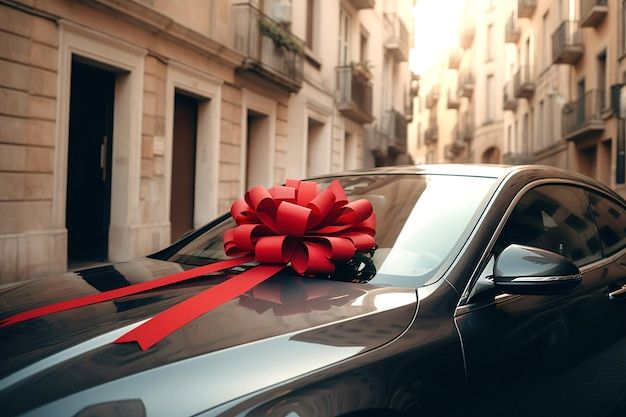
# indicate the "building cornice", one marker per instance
pixel 144 16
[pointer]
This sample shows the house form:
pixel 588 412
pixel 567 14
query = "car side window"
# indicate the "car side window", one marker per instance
pixel 611 221
pixel 556 218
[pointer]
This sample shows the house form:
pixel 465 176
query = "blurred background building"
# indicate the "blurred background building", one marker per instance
pixel 124 124
pixel 529 81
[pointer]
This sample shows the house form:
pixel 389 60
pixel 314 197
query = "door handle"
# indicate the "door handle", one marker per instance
pixel 614 295
pixel 104 148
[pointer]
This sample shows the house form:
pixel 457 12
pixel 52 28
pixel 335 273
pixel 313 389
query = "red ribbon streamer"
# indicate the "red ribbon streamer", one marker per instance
pixel 294 224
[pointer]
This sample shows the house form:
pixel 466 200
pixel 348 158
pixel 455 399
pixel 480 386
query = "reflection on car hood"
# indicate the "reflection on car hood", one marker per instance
pixel 283 328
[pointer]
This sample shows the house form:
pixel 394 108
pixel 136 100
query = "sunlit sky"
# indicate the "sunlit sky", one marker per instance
pixel 436 31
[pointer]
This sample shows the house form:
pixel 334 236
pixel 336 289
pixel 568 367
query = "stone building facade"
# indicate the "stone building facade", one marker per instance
pixel 560 69
pixel 124 124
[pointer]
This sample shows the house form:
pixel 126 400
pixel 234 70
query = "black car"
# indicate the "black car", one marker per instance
pixel 492 291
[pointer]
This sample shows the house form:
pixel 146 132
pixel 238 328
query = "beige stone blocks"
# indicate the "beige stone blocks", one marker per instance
pixel 14 76
pixel 42 82
pixel 12 157
pixel 15 21
pixel 14 103
pixel 41 107
pixel 230 153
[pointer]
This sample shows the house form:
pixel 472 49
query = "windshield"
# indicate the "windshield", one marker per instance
pixel 420 219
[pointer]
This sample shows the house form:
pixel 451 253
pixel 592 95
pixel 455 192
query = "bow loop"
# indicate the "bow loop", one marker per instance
pixel 300 225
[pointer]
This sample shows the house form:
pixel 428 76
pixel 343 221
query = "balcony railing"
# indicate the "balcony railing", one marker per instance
pixel 271 51
pixel 509 101
pixel 592 12
pixel 466 84
pixel 376 142
pixel 524 85
pixel 584 115
pixel 453 100
pixel 515 158
pixel 363 4
pixel 432 97
pixel 454 60
pixel 431 135
pixel 354 95
pixel 511 30
pixel 567 43
pixel 466 128
pixel 397 42
pixel 394 127
pixel 526 8
pixel 466 37
pixel 408 106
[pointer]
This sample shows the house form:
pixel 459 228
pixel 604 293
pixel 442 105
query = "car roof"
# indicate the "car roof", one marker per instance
pixel 501 172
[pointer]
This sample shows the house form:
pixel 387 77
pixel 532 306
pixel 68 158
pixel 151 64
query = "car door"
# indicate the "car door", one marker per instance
pixel 550 355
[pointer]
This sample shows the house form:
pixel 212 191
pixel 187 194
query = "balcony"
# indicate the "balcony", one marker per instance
pixel 511 30
pixel 466 128
pixel 363 4
pixel 526 8
pixel 567 43
pixel 397 42
pixel 271 52
pixel 592 12
pixel 524 85
pixel 454 60
pixel 454 102
pixel 466 37
pixel 515 158
pixel 583 116
pixel 466 84
pixel 408 106
pixel 376 142
pixel 432 97
pixel 509 101
pixel 354 95
pixel 393 127
pixel 431 135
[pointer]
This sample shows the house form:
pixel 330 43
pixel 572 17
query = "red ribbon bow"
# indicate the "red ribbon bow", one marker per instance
pixel 294 224
pixel 300 225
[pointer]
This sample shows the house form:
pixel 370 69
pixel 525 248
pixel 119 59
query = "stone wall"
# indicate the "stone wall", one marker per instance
pixel 29 245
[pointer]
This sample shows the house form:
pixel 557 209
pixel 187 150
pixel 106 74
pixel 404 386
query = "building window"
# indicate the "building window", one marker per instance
pixel 545 49
pixel 490 92
pixel 344 37
pixel 364 45
pixel 419 135
pixel 310 23
pixel 490 43
pixel 541 134
pixel 602 79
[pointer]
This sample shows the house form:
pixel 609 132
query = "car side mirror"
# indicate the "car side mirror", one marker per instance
pixel 523 269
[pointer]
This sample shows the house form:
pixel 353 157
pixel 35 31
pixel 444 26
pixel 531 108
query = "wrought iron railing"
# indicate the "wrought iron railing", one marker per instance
pixel 354 94
pixel 567 43
pixel 583 112
pixel 393 125
pixel 523 83
pixel 268 47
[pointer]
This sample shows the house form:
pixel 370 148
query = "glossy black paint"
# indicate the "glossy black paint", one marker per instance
pixel 521 269
pixel 359 350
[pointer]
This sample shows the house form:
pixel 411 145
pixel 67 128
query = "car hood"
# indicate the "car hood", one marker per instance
pixel 283 328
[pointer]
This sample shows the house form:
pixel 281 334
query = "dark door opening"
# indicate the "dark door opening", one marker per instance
pixel 88 209
pixel 257 142
pixel 183 164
